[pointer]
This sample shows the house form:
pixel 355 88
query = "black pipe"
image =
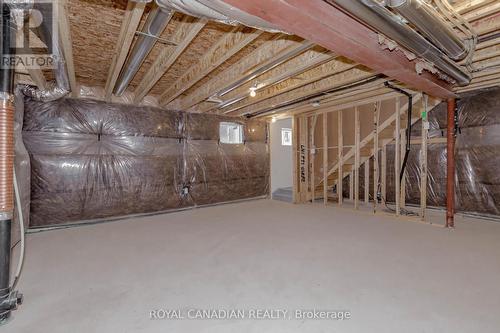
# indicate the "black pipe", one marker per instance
pixel 6 72
pixel 5 229
pixel 408 128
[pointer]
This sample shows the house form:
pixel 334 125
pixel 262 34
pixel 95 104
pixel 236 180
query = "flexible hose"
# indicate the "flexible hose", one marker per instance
pixel 21 227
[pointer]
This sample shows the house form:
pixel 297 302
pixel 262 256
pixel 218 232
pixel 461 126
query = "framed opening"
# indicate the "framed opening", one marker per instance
pixel 286 136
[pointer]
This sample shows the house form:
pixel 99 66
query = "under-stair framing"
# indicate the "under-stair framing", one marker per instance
pixel 364 138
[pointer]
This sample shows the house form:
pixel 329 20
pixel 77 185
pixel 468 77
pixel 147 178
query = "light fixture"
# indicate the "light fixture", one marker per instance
pixel 273 119
pixel 253 90
pixel 315 104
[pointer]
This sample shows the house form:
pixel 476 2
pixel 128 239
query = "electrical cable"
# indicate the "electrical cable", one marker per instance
pixel 408 127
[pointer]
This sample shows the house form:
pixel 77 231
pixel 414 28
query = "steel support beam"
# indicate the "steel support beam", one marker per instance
pixel 333 29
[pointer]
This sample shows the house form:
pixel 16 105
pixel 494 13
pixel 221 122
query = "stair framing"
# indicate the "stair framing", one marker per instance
pixel 384 133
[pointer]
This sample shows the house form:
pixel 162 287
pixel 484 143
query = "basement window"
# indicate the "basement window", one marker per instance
pixel 231 133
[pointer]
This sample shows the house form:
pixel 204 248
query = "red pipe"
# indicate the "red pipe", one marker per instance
pixel 450 166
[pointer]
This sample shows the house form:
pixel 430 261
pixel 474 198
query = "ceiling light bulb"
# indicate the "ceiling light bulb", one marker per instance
pixel 252 93
pixel 273 119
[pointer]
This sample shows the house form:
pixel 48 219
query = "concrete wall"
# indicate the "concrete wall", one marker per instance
pixel 281 156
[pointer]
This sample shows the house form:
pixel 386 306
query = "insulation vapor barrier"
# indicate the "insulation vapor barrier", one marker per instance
pixel 477 156
pixel 93 160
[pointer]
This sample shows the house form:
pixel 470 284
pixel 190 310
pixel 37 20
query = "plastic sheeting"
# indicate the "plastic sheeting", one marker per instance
pixel 93 160
pixel 477 156
pixel 22 169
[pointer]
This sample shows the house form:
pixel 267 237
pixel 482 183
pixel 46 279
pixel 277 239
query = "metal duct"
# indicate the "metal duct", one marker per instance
pixel 47 36
pixel 156 22
pixel 51 93
pixel 219 11
pixel 284 57
pixel 382 20
pixel 425 18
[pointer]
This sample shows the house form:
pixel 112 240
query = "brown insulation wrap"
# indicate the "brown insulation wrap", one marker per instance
pixel 6 156
pixel 92 160
pixel 477 156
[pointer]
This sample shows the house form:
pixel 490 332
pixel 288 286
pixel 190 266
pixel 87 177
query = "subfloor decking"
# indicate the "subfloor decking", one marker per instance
pixel 393 275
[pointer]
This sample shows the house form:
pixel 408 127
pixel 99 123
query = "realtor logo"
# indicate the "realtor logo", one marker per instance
pixel 33 34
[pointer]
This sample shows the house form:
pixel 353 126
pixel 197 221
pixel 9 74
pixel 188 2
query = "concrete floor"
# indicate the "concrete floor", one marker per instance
pixel 393 275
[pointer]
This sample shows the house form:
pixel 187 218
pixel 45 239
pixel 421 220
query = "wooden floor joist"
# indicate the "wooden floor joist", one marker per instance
pixel 225 48
pixel 67 45
pixel 307 84
pixel 275 80
pixel 260 56
pixel 129 26
pixel 183 36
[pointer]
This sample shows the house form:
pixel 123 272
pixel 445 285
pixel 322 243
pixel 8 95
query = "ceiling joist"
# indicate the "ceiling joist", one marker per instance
pixel 230 44
pixel 290 68
pixel 311 80
pixel 67 45
pixel 183 36
pixel 266 52
pixel 129 26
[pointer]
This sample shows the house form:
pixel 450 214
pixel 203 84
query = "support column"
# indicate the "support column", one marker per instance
pixel 356 157
pixel 325 158
pixel 340 151
pixel 450 165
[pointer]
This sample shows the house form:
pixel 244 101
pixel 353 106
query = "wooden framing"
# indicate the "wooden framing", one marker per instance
pixel 303 160
pixel 376 120
pixel 286 91
pixel 383 174
pixel 367 181
pixel 304 69
pixel 259 57
pixel 295 159
pixel 129 26
pixel 423 161
pixel 340 150
pixel 67 45
pixel 397 159
pixel 325 157
pixel 225 48
pixel 183 36
pixel 356 157
pixel 351 185
pixel 38 78
pixel 312 155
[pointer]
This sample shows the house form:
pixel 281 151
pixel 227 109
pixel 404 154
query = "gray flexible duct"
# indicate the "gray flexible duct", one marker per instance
pixel 388 24
pixel 425 18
